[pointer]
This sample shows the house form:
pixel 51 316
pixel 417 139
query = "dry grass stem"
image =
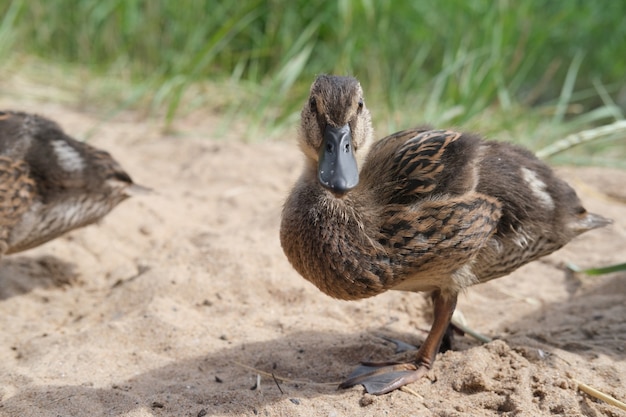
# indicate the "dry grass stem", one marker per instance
pixel 471 332
pixel 617 128
pixel 410 391
pixel 600 395
pixel 283 379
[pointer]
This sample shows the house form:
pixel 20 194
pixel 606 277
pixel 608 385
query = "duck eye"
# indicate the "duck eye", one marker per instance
pixel 313 104
pixel 360 104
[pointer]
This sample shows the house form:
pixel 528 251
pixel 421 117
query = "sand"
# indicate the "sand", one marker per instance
pixel 181 303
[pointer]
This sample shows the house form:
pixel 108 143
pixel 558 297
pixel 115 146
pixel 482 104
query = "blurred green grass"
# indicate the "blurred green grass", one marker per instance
pixel 536 69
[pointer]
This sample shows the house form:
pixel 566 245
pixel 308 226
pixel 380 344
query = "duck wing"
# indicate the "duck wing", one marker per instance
pixel 433 222
pixel 414 164
pixel 437 237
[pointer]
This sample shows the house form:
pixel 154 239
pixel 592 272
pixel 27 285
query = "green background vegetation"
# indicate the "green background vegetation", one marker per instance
pixel 527 70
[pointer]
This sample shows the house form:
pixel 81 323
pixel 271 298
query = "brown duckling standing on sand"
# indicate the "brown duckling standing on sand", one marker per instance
pixel 51 183
pixel 420 210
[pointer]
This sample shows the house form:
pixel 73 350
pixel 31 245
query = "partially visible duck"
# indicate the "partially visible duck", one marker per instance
pixel 50 183
pixel 420 210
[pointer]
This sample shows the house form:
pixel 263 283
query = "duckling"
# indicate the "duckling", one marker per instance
pixel 50 183
pixel 421 210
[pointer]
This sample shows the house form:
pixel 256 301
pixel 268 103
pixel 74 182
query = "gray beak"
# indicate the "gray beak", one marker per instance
pixel 337 168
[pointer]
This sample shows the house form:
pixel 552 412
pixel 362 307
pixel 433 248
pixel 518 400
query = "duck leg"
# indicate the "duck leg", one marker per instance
pixel 381 378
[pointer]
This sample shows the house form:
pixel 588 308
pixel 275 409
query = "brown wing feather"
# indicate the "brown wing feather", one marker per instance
pixel 438 236
pixel 17 190
pixel 420 162
pixel 434 222
pixel 410 165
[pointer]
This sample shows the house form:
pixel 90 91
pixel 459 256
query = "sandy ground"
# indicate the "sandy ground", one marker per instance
pixel 182 303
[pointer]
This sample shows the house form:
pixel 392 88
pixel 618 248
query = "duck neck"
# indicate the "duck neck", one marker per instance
pixel 329 243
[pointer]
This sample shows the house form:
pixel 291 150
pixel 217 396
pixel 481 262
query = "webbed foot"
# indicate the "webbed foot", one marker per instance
pixel 381 378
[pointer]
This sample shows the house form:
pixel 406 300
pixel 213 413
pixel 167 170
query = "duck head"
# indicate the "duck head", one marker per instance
pixel 336 131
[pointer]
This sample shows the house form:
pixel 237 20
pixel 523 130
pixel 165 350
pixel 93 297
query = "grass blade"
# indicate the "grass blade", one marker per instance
pixel 598 271
pixel 614 129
